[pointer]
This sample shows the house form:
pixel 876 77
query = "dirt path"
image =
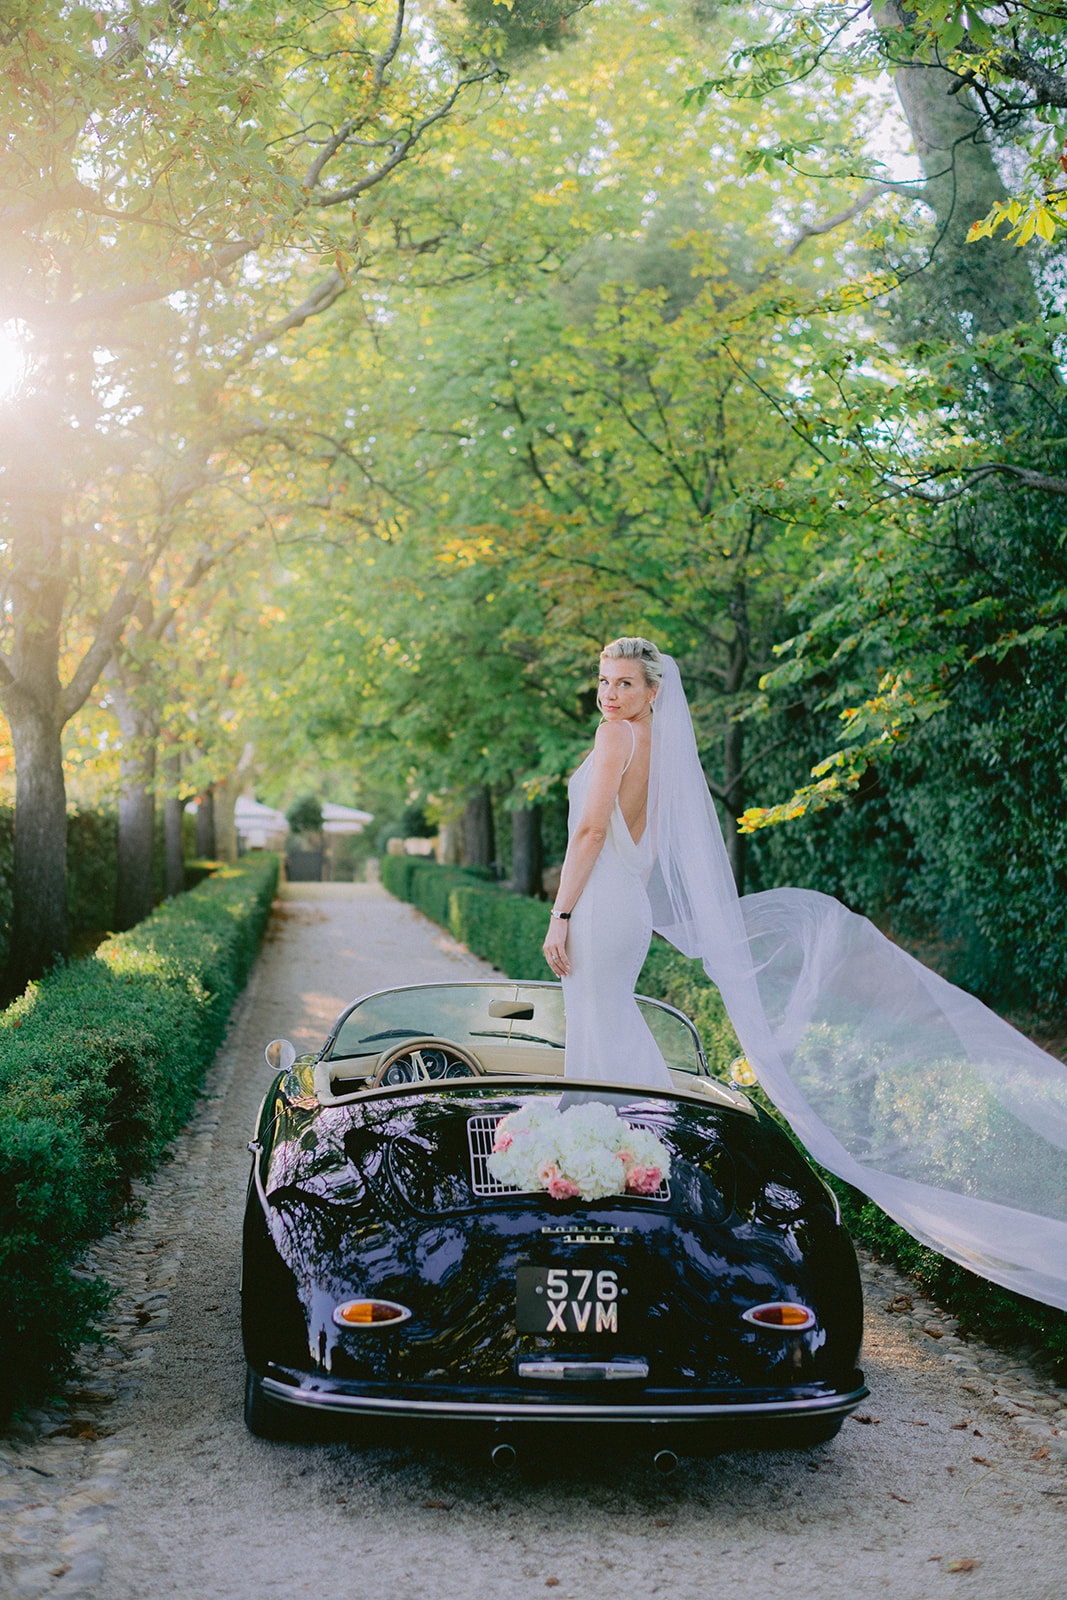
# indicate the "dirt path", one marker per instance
pixel 932 1491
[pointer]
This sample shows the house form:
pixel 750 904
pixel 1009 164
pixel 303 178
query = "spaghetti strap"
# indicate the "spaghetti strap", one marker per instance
pixel 633 747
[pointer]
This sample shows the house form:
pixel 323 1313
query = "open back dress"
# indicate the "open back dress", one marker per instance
pixel 609 933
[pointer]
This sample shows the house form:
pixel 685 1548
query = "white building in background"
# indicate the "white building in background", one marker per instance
pixel 343 819
pixel 259 827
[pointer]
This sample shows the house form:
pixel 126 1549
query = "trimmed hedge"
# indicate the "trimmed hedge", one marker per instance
pixel 101 1063
pixel 504 928
pixel 507 929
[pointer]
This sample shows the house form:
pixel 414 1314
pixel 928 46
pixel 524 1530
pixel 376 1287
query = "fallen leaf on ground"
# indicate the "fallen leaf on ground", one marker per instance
pixel 980 1461
pixel 920 1424
pixel 964 1424
pixel 551 1583
pixel 963 1564
pixel 864 1416
pixel 901 1302
pixel 901 1498
pixel 1039 1455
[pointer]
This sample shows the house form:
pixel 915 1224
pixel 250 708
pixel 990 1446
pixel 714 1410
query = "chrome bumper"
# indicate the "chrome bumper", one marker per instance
pixel 322 1395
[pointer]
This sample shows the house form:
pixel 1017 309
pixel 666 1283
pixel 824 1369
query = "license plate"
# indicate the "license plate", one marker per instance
pixel 569 1300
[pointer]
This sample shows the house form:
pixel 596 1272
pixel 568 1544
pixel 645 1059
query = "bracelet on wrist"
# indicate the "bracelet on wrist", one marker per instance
pixel 561 916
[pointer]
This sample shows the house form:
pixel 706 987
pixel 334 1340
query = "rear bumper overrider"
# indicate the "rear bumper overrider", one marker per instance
pixel 342 1398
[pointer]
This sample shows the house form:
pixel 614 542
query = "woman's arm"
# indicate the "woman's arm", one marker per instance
pixel 612 749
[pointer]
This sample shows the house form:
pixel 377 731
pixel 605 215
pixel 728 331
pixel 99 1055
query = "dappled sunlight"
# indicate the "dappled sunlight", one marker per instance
pixel 14 360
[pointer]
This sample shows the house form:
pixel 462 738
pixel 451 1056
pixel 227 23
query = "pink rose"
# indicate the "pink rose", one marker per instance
pixel 625 1156
pixel 644 1180
pixel 502 1141
pixel 559 1187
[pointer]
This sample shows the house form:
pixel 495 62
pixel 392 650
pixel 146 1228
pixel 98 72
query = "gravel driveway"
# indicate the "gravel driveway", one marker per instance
pixel 952 1479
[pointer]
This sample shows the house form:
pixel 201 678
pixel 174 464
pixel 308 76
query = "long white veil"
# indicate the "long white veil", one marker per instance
pixel 895 1080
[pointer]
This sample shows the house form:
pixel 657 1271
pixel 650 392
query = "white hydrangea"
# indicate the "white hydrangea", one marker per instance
pixel 588 1151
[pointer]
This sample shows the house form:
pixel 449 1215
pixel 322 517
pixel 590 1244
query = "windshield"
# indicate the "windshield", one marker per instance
pixel 503 1013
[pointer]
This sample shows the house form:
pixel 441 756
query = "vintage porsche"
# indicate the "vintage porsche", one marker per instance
pixel 391 1275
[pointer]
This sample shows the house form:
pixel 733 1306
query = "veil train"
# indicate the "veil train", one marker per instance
pixel 901 1084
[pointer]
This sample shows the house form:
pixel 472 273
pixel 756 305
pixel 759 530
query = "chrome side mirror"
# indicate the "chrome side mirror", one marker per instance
pixel 280 1055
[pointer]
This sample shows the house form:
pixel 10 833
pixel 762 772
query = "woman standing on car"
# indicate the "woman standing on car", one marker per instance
pixel 601 923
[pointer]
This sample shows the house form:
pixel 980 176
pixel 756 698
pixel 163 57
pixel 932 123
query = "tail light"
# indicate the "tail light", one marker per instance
pixel 366 1314
pixel 786 1315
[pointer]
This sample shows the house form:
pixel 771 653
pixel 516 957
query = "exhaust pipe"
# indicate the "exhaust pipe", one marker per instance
pixel 665 1462
pixel 503 1456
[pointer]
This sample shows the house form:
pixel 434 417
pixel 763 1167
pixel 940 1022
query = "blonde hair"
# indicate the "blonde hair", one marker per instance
pixel 631 648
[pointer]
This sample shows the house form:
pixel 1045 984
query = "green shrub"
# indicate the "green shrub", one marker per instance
pixel 507 930
pixel 503 928
pixel 100 1065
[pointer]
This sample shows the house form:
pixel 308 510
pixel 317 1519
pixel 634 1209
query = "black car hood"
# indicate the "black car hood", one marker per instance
pixel 410 1150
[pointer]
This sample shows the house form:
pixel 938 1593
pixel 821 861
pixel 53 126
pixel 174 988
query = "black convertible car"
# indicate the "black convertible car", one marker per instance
pixel 391 1273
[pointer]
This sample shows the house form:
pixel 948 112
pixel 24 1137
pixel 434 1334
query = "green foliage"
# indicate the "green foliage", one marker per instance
pixel 414 823
pixel 100 1065
pixel 511 28
pixel 480 915
pixel 668 975
pixel 92 869
pixel 92 866
pixel 305 815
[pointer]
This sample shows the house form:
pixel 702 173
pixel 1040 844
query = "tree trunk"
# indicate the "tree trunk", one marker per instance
pixel 225 827
pixel 479 841
pixel 527 857
pixel 39 929
pixel 226 793
pixel 31 693
pixel 174 870
pixel 134 892
pixel 450 844
pixel 987 285
pixel 205 825
pixel 173 812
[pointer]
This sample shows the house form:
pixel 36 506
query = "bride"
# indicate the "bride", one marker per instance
pixel 895 1080
pixel 601 923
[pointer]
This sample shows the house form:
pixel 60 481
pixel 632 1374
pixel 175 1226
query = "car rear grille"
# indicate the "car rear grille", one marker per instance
pixel 481 1131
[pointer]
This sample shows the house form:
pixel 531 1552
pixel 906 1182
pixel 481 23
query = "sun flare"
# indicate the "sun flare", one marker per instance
pixel 12 362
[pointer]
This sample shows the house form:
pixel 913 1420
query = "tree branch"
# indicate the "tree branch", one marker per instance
pixel 814 230
pixel 1025 476
pixel 403 146
pixel 319 300
pixel 92 307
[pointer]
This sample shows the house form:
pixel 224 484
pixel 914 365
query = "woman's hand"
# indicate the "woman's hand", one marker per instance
pixel 555 948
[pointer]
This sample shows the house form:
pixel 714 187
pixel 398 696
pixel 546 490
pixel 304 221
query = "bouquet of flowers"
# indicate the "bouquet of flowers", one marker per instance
pixel 584 1153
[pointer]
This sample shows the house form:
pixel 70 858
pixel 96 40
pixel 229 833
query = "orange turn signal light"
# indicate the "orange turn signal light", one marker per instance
pixel 370 1314
pixel 787 1315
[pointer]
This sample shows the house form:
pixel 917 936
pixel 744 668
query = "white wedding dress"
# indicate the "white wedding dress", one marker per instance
pixel 895 1080
pixel 607 942
pixel 898 1082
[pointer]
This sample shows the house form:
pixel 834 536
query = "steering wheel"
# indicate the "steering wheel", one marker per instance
pixel 424 1060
